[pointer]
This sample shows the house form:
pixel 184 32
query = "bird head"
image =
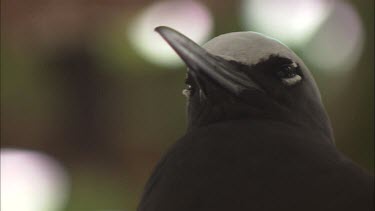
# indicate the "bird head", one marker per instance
pixel 244 75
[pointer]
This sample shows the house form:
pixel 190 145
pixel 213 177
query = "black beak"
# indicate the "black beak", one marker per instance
pixel 199 61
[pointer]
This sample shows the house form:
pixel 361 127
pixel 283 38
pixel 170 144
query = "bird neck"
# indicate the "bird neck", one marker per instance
pixel 309 116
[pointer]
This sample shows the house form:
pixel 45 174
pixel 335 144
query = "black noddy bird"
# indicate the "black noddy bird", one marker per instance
pixel 258 136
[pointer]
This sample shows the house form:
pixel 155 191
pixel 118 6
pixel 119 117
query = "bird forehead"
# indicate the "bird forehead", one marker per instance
pixel 247 47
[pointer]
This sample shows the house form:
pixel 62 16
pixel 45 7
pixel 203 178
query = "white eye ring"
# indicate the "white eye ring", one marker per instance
pixel 291 81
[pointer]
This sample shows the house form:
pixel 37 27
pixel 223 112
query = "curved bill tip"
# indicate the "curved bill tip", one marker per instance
pixel 190 52
pixel 202 62
pixel 161 28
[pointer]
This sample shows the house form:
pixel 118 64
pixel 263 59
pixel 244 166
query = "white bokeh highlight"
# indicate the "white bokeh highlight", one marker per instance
pixel 328 34
pixel 189 17
pixel 338 45
pixel 31 181
pixel 290 21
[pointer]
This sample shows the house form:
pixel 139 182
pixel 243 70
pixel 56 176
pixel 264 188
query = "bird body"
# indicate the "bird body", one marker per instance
pixel 217 168
pixel 258 136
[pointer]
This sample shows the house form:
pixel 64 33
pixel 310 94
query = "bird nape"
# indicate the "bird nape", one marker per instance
pixel 258 136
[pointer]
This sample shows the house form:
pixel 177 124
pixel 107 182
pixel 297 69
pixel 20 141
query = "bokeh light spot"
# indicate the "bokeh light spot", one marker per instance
pixel 189 17
pixel 31 181
pixel 338 45
pixel 290 21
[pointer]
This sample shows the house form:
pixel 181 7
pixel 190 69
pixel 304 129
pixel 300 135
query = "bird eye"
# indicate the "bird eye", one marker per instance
pixel 188 91
pixel 288 71
pixel 288 74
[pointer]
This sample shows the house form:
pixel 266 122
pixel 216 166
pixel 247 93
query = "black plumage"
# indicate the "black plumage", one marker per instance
pixel 258 136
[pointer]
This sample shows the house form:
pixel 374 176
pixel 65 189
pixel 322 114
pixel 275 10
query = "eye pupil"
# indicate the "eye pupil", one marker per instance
pixel 188 91
pixel 289 74
pixel 288 71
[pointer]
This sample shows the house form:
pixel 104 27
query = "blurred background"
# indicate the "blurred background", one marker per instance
pixel 91 96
